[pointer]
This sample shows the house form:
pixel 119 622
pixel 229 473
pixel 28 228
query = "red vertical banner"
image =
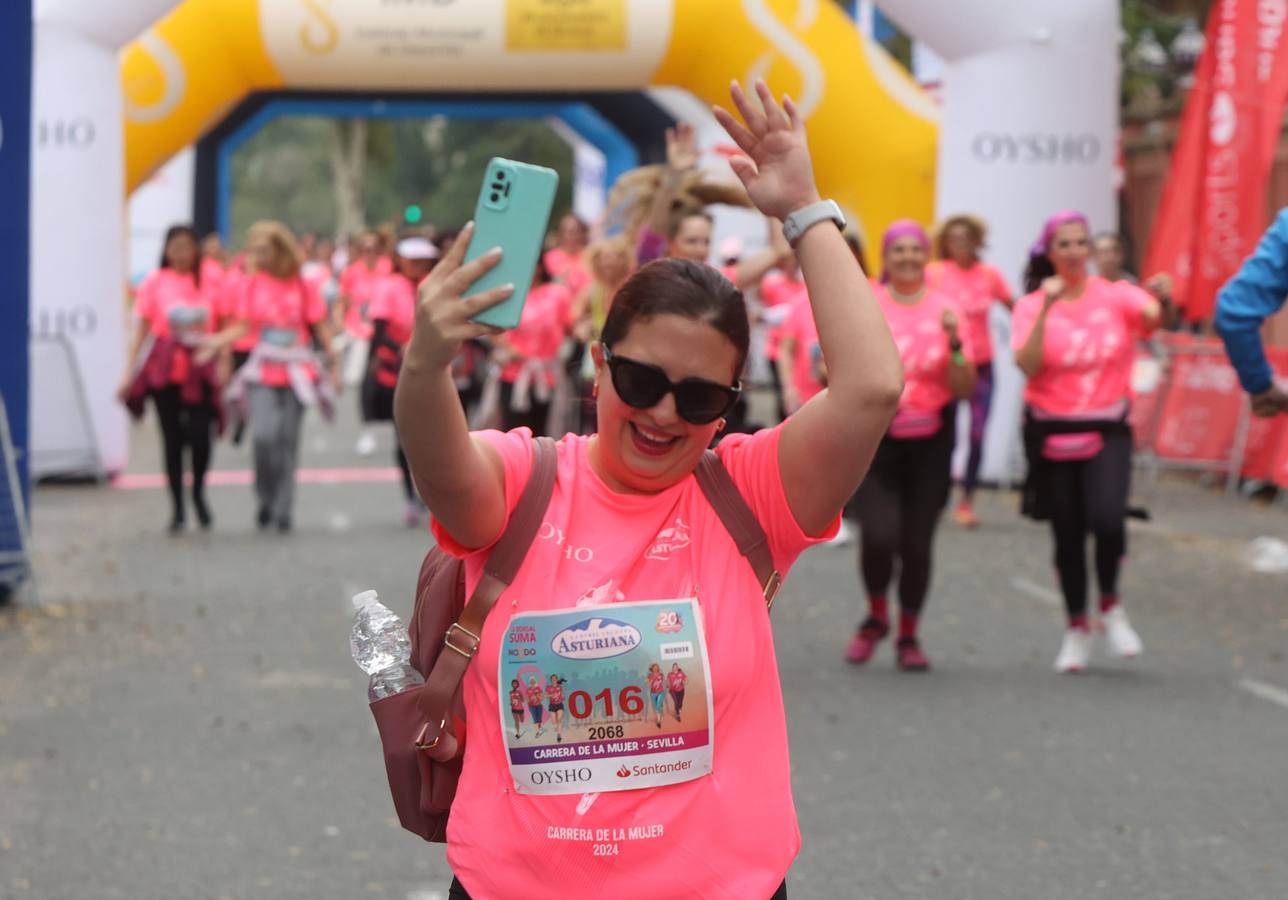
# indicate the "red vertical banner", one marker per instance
pixel 1213 208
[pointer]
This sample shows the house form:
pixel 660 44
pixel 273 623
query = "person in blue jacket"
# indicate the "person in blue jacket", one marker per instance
pixel 1255 293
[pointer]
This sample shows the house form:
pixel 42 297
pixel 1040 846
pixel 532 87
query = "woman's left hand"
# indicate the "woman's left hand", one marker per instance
pixel 949 321
pixel 776 170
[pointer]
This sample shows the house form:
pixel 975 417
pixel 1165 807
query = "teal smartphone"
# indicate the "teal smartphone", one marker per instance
pixel 512 213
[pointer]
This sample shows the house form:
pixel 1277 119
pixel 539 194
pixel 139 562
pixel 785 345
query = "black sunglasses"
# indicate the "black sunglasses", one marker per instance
pixel 697 401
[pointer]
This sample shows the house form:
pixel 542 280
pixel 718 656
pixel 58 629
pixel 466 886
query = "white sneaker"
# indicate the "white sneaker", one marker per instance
pixel 844 535
pixel 366 444
pixel 1120 638
pixel 1075 651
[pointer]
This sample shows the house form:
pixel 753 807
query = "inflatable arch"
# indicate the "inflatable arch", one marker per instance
pixel 872 131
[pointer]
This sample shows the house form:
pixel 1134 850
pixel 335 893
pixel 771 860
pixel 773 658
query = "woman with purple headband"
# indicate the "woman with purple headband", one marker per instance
pixel 906 489
pixel 1074 337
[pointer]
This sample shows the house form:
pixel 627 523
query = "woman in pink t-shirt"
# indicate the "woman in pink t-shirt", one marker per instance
pixel 900 502
pixel 176 307
pixel 532 377
pixel 974 286
pixel 393 313
pixel 628 521
pixel 566 261
pixel 286 315
pixel 657 691
pixel 352 320
pixel 677 681
pixel 516 707
pixel 533 694
pixel 555 699
pixel 1074 337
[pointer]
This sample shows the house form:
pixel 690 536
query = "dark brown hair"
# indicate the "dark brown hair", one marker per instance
pixel 679 287
pixel 974 225
pixel 173 232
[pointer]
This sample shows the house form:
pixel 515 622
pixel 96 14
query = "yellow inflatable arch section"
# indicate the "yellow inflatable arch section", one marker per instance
pixel 872 131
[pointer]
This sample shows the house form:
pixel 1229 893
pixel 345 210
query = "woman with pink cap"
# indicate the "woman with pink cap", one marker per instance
pixel 1074 336
pixel 900 501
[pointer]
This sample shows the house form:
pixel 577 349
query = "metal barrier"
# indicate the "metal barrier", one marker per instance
pixel 15 536
pixel 1191 414
pixel 63 440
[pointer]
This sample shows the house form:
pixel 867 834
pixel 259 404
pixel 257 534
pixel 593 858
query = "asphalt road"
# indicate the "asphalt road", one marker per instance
pixel 179 717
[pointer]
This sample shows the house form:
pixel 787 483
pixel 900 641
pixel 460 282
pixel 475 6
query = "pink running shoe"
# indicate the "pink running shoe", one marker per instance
pixel 965 516
pixel 908 656
pixel 865 640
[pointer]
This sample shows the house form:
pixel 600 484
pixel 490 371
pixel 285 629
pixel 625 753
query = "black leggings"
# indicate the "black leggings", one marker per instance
pixel 899 504
pixel 1090 495
pixel 409 488
pixel 183 425
pixel 980 402
pixel 457 892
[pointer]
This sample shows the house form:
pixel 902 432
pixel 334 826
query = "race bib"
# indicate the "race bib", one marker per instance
pixel 279 337
pixel 596 715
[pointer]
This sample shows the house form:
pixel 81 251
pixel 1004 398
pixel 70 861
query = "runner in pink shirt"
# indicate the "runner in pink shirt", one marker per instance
pixel 780 293
pixel 393 313
pixel 357 284
pixel 567 262
pixel 516 707
pixel 533 694
pixel 176 307
pixel 974 286
pixel 1074 336
pixel 627 521
pixel 286 315
pixel 900 502
pixel 657 691
pixel 677 681
pixel 532 376
pixel 555 699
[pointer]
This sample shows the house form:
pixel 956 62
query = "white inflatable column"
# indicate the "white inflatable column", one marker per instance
pixel 1029 126
pixel 78 279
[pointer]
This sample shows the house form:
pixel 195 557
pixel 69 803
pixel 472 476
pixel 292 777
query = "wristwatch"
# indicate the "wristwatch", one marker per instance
pixel 807 217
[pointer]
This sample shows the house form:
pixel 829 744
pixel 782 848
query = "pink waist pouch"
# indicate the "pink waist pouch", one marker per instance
pixel 1072 447
pixel 911 424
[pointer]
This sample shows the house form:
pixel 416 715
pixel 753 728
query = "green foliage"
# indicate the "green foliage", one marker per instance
pixel 285 171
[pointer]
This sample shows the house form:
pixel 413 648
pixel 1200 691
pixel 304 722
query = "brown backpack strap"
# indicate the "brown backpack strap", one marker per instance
pixel 740 522
pixel 462 638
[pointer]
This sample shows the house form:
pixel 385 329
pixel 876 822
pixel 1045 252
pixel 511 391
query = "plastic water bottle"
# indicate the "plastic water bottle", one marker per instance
pixel 381 647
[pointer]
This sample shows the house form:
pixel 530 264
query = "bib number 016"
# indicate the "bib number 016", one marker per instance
pixel 630 700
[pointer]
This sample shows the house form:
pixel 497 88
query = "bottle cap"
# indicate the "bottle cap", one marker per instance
pixel 361 600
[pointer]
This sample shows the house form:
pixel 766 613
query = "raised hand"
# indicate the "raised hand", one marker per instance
pixel 1052 288
pixel 1270 402
pixel 776 168
pixel 681 147
pixel 949 322
pixel 443 314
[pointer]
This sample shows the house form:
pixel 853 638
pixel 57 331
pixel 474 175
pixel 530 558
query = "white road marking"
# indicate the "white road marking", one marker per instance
pixel 1265 691
pixel 1043 594
pixel 425 894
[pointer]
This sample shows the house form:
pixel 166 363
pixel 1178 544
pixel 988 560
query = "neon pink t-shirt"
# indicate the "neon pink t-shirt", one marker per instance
pixel 777 289
pixel 919 334
pixel 359 284
pixel 173 305
pixel 231 302
pixel 657 683
pixel 290 304
pixel 568 269
pixel 799 327
pixel 547 315
pixel 596 547
pixel 554 693
pixel 534 696
pixel 212 273
pixel 974 290
pixel 677 680
pixel 1088 347
pixel 516 700
pixel 395 302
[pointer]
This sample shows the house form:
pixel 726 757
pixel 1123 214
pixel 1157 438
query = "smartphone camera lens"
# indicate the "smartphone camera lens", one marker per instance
pixel 495 196
pixel 500 175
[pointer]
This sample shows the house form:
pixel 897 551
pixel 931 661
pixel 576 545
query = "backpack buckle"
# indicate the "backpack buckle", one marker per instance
pixel 771 587
pixel 472 647
pixel 420 738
